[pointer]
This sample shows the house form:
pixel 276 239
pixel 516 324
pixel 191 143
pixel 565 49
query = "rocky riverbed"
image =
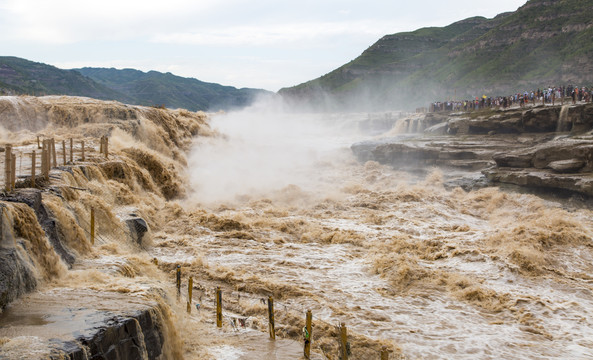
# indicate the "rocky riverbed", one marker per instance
pixel 544 147
pixel 266 204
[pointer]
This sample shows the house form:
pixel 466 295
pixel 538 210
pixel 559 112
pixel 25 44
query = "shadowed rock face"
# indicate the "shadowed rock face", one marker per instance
pixel 32 197
pixel 121 338
pixel 16 277
pixel 106 326
pixel 138 228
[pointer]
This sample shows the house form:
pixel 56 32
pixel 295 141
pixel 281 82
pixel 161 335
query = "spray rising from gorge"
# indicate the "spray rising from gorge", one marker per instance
pixel 269 203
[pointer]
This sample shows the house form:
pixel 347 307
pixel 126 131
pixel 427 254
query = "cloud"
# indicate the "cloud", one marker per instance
pixel 69 21
pixel 274 34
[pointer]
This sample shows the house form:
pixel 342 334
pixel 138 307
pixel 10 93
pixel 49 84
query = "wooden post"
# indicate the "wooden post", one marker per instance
pixel 47 158
pixel 106 147
pixel 47 155
pixel 38 145
pixel 7 167
pixel 271 318
pixel 64 150
pixel 13 172
pixel 218 307
pixel 33 169
pixel 82 145
pixel 92 226
pixel 43 159
pixel 101 145
pixel 190 285
pixel 178 280
pixel 53 151
pixel 344 342
pixel 307 334
pixel 71 151
pixel 384 353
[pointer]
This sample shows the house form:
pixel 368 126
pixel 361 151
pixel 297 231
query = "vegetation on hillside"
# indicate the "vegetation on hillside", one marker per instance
pixel 543 43
pixel 154 87
pixel 20 76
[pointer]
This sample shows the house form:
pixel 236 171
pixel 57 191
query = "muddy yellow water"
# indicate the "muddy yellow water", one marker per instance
pixel 276 205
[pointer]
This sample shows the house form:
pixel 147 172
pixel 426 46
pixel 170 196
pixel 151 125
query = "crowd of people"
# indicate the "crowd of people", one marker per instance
pixel 551 95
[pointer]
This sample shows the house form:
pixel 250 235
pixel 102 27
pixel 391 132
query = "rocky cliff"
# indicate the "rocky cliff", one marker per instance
pixel 77 295
pixel 548 147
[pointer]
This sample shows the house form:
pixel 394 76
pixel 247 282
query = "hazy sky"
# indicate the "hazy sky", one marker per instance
pixel 266 44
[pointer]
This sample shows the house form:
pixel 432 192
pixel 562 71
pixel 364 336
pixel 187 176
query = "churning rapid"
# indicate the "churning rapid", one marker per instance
pixel 262 203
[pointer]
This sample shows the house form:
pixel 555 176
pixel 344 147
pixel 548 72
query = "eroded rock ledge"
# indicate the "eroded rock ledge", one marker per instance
pixel 81 324
pixel 541 147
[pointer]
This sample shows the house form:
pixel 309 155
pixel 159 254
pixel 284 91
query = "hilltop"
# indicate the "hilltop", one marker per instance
pixel 21 76
pixel 173 91
pixel 543 43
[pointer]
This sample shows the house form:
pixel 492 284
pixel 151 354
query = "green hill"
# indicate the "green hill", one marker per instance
pixel 20 76
pixel 543 43
pixel 173 91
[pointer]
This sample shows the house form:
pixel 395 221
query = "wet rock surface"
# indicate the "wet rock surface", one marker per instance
pixel 541 147
pixel 106 326
pixel 32 197
pixel 138 228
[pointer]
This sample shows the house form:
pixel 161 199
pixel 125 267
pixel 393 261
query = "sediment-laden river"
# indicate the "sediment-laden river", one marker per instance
pixel 277 205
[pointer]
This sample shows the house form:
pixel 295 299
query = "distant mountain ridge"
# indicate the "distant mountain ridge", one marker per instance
pixel 543 43
pixel 153 88
pixel 173 91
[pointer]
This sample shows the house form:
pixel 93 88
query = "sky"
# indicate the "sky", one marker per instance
pixel 266 44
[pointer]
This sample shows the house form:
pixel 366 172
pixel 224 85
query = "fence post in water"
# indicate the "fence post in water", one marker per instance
pixel 271 317
pixel 71 151
pixel 43 159
pixel 53 151
pixel 344 346
pixel 13 172
pixel 38 145
pixel 178 280
pixel 33 169
pixel 47 158
pixel 64 150
pixel 92 226
pixel 106 147
pixel 307 334
pixel 190 285
pixel 82 145
pixel 218 307
pixel 7 167
pixel 101 145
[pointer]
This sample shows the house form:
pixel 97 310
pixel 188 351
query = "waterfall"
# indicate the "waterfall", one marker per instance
pixel 561 125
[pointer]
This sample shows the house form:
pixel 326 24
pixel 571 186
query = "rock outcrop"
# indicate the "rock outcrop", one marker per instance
pixel 541 147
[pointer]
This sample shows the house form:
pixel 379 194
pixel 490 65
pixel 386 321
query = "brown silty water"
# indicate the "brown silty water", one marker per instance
pixel 268 204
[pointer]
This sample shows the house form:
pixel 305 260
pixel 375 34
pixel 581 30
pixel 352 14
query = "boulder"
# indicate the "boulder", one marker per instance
pixel 403 154
pixel 438 129
pixel 513 160
pixel 564 150
pixel 537 178
pixel 566 166
pixel 138 228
